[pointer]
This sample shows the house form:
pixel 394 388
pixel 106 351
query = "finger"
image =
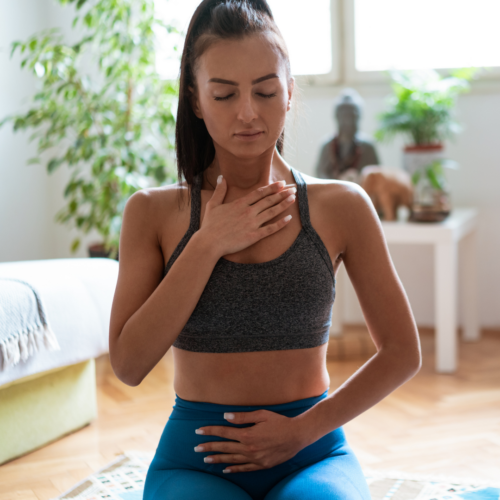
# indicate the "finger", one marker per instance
pixel 221 446
pixel 261 192
pixel 226 459
pixel 219 191
pixel 247 417
pixel 272 212
pixel 243 468
pixel 271 200
pixel 273 228
pixel 221 431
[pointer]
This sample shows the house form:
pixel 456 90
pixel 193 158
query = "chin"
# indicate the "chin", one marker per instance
pixel 247 151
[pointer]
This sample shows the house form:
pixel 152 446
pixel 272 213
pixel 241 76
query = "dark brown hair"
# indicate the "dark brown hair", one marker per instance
pixel 215 20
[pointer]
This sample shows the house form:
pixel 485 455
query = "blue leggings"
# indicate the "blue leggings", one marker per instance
pixel 326 469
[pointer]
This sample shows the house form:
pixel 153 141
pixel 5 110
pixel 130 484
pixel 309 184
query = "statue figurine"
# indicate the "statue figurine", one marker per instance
pixel 347 153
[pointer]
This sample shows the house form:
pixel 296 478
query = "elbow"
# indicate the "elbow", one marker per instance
pixel 123 371
pixel 408 360
pixel 127 377
pixel 415 364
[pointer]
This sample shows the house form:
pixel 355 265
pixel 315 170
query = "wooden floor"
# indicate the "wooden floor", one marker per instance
pixel 435 423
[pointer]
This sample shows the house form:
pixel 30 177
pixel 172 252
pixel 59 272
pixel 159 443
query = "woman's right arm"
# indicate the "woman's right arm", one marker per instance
pixel 149 312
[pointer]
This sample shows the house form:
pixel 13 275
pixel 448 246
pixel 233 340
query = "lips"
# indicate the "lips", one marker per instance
pixel 249 132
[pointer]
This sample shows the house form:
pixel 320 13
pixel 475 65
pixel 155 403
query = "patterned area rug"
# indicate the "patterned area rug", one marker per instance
pixel 123 479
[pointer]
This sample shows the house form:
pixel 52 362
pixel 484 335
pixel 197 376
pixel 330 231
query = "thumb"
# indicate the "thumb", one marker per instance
pixel 219 191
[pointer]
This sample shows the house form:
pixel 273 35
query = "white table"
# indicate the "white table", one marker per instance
pixel 445 236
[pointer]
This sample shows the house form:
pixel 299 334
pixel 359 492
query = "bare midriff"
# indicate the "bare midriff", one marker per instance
pixel 251 378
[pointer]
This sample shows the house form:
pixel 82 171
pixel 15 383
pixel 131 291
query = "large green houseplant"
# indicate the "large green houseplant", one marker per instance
pixel 421 109
pixel 101 109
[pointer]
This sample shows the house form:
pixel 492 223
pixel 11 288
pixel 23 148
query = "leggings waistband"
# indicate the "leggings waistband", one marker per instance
pixel 218 408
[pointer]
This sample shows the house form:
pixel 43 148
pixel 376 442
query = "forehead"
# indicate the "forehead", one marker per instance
pixel 240 60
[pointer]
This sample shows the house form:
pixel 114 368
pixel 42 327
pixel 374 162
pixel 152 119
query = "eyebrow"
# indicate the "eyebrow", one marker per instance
pixel 230 82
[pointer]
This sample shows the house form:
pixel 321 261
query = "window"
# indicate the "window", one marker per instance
pixel 351 41
pixel 307 32
pixel 419 34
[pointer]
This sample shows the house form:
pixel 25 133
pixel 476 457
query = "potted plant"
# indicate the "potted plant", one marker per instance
pixel 102 110
pixel 421 108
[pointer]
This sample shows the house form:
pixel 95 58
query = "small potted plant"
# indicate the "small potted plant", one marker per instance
pixel 421 108
pixel 102 109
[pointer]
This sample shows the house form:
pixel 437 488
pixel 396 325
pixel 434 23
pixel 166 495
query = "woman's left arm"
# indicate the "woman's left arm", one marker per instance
pixel 275 438
pixel 388 316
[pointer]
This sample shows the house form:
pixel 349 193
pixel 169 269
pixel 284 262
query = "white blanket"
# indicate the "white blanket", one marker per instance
pixel 24 328
pixel 77 295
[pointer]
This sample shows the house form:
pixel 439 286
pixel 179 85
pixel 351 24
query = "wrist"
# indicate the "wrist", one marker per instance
pixel 306 428
pixel 205 245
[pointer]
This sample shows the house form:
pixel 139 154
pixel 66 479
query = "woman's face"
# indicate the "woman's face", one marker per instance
pixel 242 87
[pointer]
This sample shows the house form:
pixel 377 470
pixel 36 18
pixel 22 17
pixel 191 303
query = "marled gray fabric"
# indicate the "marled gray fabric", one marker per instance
pixel 285 303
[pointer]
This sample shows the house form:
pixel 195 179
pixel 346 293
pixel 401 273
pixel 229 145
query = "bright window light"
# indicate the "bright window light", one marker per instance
pixel 417 34
pixel 307 33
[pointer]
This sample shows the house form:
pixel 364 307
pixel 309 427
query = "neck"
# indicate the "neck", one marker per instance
pixel 347 137
pixel 243 175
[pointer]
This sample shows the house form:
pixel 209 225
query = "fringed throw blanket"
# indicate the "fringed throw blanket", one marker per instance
pixel 24 329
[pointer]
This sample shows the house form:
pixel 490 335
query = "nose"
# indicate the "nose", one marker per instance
pixel 247 112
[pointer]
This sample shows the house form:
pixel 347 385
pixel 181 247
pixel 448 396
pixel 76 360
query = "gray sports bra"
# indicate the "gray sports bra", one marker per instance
pixel 284 303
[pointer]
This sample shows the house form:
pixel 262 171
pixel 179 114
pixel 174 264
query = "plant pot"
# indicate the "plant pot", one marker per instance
pixel 435 212
pixel 430 204
pixel 419 156
pixel 97 250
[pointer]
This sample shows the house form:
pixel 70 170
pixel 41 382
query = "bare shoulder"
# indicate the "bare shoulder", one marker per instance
pixel 166 199
pixel 156 208
pixel 342 203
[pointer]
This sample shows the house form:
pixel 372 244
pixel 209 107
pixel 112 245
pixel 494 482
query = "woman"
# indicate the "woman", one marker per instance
pixel 246 295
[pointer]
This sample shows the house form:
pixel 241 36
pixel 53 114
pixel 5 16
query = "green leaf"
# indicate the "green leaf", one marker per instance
pixel 75 245
pixel 14 46
pixel 53 164
pixel 415 177
pixel 422 104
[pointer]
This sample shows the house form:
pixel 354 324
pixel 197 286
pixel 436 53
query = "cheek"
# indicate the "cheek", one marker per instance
pixel 217 119
pixel 275 114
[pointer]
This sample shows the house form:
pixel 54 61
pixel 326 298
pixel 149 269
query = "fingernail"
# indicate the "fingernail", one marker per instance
pixel 229 416
pixel 198 448
pixel 287 218
pixel 282 183
pixel 293 190
pixel 219 179
pixel 291 197
pixel 226 470
pixel 208 459
pixel 199 431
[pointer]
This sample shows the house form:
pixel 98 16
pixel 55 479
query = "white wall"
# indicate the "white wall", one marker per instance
pixel 29 197
pixel 25 226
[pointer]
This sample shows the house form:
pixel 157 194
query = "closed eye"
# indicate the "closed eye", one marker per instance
pixel 267 96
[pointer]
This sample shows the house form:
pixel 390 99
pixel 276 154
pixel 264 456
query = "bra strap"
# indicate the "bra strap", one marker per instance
pixel 194 223
pixel 302 199
pixel 306 222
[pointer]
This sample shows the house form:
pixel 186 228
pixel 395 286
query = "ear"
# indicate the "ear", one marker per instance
pixel 291 86
pixel 194 102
